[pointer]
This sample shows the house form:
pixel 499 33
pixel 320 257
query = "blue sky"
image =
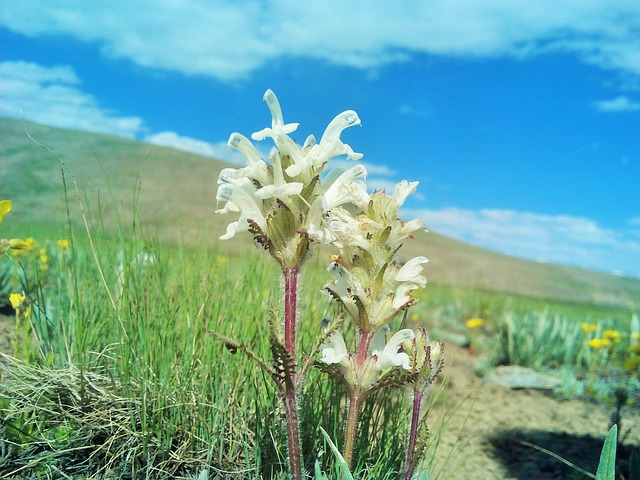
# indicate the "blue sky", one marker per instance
pixel 521 120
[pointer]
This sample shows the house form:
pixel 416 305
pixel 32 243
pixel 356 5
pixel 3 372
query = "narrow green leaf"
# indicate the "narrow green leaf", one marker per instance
pixel 319 475
pixel 344 469
pixel 607 465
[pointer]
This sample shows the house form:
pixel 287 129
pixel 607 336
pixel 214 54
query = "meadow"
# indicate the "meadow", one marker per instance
pixel 117 364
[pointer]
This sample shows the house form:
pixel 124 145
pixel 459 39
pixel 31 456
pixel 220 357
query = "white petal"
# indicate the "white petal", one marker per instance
pixel 341 121
pixel 341 191
pixel 281 192
pixel 400 298
pixel 411 271
pixel 244 146
pixel 334 350
pixel 403 190
pixel 278 128
pixel 389 356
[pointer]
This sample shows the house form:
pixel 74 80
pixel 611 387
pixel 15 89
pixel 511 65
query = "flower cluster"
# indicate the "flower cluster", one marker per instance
pixel 9 244
pixel 373 285
pixel 291 205
pixel 382 355
pixel 283 202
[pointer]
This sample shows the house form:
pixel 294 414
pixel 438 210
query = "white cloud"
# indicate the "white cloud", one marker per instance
pixel 551 238
pixel 218 150
pixel 51 95
pixel 619 104
pixel 229 40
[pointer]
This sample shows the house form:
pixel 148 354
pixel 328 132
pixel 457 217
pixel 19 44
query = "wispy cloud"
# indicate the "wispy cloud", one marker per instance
pixel 218 150
pixel 53 96
pixel 230 40
pixel 551 238
pixel 618 104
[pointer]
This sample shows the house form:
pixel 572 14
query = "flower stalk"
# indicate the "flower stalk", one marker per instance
pixel 413 433
pixel 355 401
pixel 290 393
pixel 291 207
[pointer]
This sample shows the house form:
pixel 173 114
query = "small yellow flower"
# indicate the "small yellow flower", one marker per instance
pixel 27 246
pixel 5 207
pixel 42 255
pixel 415 317
pixel 588 327
pixel 63 245
pixel 16 300
pixel 475 323
pixel 635 336
pixel 611 335
pixel 598 343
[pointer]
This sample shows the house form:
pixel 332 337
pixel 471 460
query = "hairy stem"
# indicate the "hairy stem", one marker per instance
pixel 290 394
pixel 355 400
pixel 290 305
pixel 352 428
pixel 415 418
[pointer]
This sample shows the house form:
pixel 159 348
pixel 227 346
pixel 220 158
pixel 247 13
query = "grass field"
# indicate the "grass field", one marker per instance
pixel 116 370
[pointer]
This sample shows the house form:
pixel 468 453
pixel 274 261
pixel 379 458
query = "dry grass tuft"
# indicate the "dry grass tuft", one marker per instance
pixel 74 423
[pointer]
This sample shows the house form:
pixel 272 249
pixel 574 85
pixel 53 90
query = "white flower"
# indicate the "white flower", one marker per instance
pixel 334 350
pixel 340 191
pixel 256 167
pixel 403 190
pixel 346 287
pixel 317 155
pixel 278 128
pixel 401 296
pixel 330 141
pixel 280 189
pixel 411 271
pixel 389 356
pixel 379 338
pixel 244 202
pixel 348 230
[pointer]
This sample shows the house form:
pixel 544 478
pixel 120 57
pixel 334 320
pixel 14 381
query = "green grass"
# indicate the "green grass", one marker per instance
pixel 135 372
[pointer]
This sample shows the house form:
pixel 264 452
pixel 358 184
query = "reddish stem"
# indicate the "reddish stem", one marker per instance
pixel 363 346
pixel 352 428
pixel 290 305
pixel 415 418
pixel 290 394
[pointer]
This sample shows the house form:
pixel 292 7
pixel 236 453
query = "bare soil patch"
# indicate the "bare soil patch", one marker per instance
pixel 492 422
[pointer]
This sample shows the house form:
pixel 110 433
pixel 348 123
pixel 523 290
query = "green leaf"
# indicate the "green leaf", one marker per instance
pixel 318 473
pixel 344 469
pixel 607 465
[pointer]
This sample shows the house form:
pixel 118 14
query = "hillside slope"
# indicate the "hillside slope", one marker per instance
pixel 174 193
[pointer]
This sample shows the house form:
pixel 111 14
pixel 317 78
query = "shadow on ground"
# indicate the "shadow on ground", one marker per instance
pixel 525 462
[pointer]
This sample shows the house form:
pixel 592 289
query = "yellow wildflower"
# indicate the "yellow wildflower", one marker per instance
pixel 63 244
pixel 16 300
pixel 598 343
pixel 635 335
pixel 27 246
pixel 5 207
pixel 415 317
pixel 588 327
pixel 475 323
pixel 42 255
pixel 611 335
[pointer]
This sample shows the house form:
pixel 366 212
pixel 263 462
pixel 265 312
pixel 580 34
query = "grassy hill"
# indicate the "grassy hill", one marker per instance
pixel 174 193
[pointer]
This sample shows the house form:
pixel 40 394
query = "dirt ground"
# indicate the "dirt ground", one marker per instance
pixel 492 421
pixel 486 430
